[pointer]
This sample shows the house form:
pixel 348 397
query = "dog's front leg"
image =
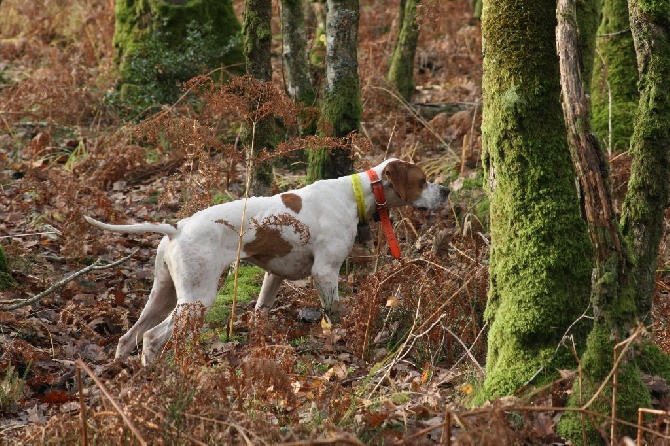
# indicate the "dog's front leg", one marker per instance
pixel 326 286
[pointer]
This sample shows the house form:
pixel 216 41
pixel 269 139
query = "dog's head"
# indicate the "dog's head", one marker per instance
pixel 408 183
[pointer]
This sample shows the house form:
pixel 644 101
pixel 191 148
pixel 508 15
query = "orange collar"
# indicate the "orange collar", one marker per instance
pixel 383 211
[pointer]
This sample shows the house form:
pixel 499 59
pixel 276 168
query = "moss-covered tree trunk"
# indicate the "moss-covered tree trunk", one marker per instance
pixel 162 43
pixel 257 36
pixel 341 105
pixel 541 256
pixel 648 192
pixel 615 77
pixel 295 59
pixel 401 68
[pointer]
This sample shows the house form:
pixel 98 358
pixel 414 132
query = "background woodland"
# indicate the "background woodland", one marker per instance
pixel 408 364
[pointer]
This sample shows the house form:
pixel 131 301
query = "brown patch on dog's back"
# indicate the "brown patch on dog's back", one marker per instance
pixel 292 201
pixel 268 245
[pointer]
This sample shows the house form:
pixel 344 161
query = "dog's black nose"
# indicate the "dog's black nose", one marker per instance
pixel 444 192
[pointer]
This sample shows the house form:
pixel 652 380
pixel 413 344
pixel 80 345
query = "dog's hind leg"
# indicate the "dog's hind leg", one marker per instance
pixel 268 294
pixel 160 304
pixel 154 340
pixel 195 270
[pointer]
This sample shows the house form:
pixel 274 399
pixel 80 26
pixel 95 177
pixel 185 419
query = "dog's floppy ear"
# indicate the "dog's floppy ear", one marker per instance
pixel 395 173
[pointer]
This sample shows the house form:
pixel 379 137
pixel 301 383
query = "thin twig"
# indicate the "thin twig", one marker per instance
pixel 82 409
pixel 18 303
pixel 30 234
pixel 247 186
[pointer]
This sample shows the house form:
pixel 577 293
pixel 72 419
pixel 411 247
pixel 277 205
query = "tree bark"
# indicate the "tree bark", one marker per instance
pixel 614 314
pixel 401 68
pixel 257 50
pixel 648 191
pixel 341 107
pixel 614 78
pixel 295 59
pixel 294 53
pixel 258 38
pixel 160 44
pixel 540 263
pixel 590 164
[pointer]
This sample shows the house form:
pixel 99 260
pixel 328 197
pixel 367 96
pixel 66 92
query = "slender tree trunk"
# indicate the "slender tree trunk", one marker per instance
pixel 341 105
pixel 540 265
pixel 401 68
pixel 257 45
pixel 258 38
pixel 477 9
pixel 648 192
pixel 614 313
pixel 614 89
pixel 294 52
pixel 296 59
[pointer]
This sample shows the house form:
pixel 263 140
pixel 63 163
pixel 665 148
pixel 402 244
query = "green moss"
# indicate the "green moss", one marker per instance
pixel 658 9
pixel 588 16
pixel 648 189
pixel 631 395
pixel 341 106
pixel 249 281
pixel 653 361
pixel 6 279
pixel 159 45
pixel 615 73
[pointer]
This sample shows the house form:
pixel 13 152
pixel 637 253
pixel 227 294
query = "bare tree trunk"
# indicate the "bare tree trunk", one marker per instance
pixel 341 105
pixel 296 59
pixel 590 164
pixel 296 63
pixel 257 44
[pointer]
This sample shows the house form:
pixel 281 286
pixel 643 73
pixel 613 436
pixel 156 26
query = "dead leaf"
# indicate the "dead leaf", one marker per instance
pixel 392 302
pixel 339 371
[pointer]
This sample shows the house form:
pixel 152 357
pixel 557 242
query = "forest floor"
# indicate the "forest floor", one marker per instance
pixel 402 365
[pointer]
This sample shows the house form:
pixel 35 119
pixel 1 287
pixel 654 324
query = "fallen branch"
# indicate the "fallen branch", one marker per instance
pixel 18 303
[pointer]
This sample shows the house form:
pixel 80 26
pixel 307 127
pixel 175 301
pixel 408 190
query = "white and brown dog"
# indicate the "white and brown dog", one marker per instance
pixel 309 231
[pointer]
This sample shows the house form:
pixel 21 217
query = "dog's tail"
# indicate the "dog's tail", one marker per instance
pixel 137 228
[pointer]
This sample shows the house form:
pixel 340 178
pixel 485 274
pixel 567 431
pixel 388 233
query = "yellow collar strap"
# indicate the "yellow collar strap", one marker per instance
pixel 360 201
